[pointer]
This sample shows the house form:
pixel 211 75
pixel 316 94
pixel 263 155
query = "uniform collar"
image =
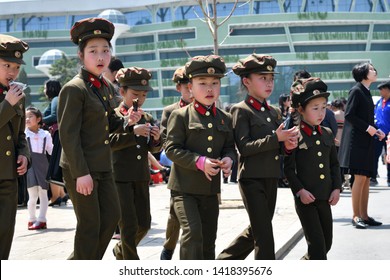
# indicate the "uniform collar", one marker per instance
pixel 95 81
pixel 259 106
pixel 309 130
pixel 201 109
pixel 182 103
pixel 123 108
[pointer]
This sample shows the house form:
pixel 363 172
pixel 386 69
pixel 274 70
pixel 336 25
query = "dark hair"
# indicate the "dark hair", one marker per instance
pixel 337 103
pixel 115 64
pixel 53 88
pixel 360 71
pixel 36 112
pixel 301 74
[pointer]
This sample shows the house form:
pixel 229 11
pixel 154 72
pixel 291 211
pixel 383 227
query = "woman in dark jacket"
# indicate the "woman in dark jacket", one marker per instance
pixel 357 142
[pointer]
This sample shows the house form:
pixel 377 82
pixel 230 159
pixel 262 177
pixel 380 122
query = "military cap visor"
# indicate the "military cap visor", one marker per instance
pixel 384 85
pixel 12 49
pixel 91 28
pixel 205 66
pixel 135 78
pixel 255 63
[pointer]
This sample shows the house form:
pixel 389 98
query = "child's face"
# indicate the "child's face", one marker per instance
pixel 259 86
pixel 131 94
pixel 186 95
pixel 32 122
pixel 8 71
pixel 96 56
pixel 315 111
pixel 205 89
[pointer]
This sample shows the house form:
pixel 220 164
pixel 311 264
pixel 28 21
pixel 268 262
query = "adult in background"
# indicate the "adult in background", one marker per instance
pixel 357 148
pixel 382 121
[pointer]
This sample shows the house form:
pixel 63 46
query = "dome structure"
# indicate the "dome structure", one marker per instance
pixel 114 16
pixel 47 59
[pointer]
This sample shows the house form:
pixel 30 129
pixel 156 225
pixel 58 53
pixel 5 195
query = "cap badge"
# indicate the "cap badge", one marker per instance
pixel 144 82
pixel 316 91
pixel 211 70
pixel 269 68
pixel 18 54
pixel 97 32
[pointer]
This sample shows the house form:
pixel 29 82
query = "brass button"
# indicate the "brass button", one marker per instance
pixel 138 146
pixel 319 154
pixel 8 153
pixel 209 150
pixel 107 127
pixel 262 109
pixel 210 138
pixel 210 125
pixel 139 157
pixel 207 113
pixel 318 142
pixel 268 119
pixel 104 98
pixel 273 131
pixel 106 114
pixel 321 165
pixel 322 176
pixel 106 142
pixel 9 137
pixel 251 101
pixel 276 157
pixel 314 132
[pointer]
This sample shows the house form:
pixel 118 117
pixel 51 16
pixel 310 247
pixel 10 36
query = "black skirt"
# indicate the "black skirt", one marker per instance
pixel 54 172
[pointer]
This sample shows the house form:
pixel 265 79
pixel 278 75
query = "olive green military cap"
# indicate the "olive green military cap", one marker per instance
pixel 209 65
pixel 179 77
pixel 91 28
pixel 12 49
pixel 255 63
pixel 135 78
pixel 304 90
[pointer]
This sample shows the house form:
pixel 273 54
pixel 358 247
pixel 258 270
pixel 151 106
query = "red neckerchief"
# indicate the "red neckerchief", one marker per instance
pixel 123 109
pixel 182 103
pixel 308 129
pixel 253 102
pixel 97 83
pixel 201 109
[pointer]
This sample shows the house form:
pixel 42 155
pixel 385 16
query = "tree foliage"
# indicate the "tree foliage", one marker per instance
pixel 64 69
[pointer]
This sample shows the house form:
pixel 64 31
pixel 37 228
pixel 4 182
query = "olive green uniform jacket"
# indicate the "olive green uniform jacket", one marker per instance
pixel 256 140
pixel 83 122
pixel 165 117
pixel 13 140
pixel 191 135
pixel 130 152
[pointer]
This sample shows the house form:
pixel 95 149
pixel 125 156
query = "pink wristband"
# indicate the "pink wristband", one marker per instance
pixel 200 163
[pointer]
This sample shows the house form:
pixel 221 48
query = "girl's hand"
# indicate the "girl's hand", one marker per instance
pixel 211 168
pixel 84 185
pixel 14 94
pixel 306 196
pixel 284 135
pixel 22 165
pixel 334 197
pixel 226 166
pixel 142 129
pixel 155 132
pixel 134 116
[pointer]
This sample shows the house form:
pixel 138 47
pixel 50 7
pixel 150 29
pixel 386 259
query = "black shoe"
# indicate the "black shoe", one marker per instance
pixel 371 222
pixel 65 199
pixel 154 171
pixel 225 180
pixel 56 202
pixel 359 223
pixel 166 254
pixel 165 173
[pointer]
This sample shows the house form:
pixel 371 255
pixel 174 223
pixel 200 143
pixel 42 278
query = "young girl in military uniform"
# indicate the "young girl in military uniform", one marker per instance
pixel 200 144
pixel 86 116
pixel 14 151
pixel 130 160
pixel 173 225
pixel 312 169
pixel 260 139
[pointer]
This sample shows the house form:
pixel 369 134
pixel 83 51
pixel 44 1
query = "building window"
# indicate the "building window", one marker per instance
pixel 176 36
pixel 138 17
pixel 135 40
pixel 267 7
pixel 137 57
pixel 239 31
pixel 164 15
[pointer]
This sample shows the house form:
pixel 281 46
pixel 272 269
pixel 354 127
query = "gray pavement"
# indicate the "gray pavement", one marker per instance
pixel 56 242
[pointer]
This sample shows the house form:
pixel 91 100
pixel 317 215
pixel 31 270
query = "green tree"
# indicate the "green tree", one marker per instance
pixel 64 69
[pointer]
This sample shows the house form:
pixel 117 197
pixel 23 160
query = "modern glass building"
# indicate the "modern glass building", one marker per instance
pixel 325 37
